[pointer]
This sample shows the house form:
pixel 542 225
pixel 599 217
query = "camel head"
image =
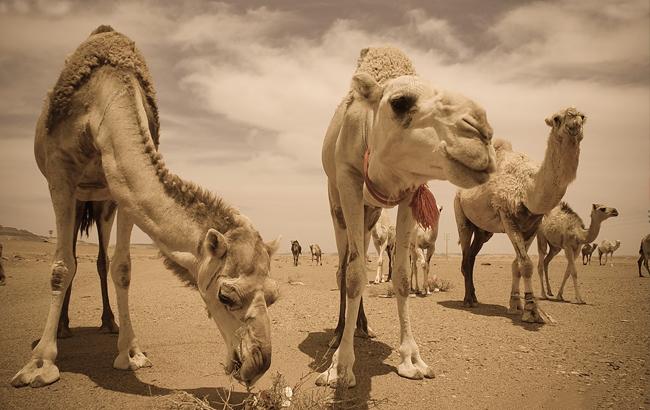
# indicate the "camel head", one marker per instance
pixel 567 124
pixel 427 133
pixel 617 244
pixel 233 279
pixel 602 212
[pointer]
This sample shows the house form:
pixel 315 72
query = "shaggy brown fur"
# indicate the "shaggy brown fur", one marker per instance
pixel 104 46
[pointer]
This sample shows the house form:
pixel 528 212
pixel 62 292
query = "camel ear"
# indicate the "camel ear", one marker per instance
pixel 273 246
pixel 553 121
pixel 215 243
pixel 367 87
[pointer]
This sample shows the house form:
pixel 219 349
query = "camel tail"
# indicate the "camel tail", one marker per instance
pixel 88 218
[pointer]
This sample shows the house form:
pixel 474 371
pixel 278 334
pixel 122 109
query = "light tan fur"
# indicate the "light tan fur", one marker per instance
pixel 413 133
pixel 423 246
pixel 607 248
pixel 316 254
pixel 383 237
pixel 514 200
pixel 563 229
pixel 101 147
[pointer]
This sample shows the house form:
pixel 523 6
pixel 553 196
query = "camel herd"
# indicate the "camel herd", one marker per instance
pixel 97 143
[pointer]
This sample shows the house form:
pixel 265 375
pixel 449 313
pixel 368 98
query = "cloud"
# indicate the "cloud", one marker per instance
pixel 246 92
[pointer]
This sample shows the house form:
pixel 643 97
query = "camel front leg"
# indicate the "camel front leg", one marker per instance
pixel 522 267
pixel 413 258
pixel 129 354
pixel 411 366
pixel 340 371
pixel 41 370
pixel 426 267
pixel 380 261
pixel 571 268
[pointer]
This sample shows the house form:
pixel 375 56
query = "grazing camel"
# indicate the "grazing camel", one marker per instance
pixel 644 252
pixel 425 240
pixel 607 248
pixel 588 250
pixel 296 250
pixel 560 229
pixel 316 253
pixel 391 134
pixel 514 201
pixel 95 141
pixel 2 270
pixel 383 237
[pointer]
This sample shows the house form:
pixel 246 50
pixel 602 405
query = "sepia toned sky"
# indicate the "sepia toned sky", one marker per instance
pixel 246 91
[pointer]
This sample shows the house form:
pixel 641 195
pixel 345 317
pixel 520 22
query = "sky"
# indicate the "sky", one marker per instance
pixel 246 91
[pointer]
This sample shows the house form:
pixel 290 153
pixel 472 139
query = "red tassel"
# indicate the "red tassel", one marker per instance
pixel 424 207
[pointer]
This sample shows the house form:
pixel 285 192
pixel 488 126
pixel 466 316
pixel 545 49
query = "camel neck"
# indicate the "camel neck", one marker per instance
pixel 132 165
pixel 557 171
pixel 590 234
pixel 390 182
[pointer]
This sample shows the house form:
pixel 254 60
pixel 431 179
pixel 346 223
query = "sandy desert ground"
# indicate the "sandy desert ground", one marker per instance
pixel 596 356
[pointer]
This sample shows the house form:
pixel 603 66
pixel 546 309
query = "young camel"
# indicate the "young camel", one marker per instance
pixel 296 251
pixel 383 237
pixel 514 201
pixel 588 250
pixel 560 229
pixel 408 132
pixel 607 248
pixel 316 253
pixel 425 240
pixel 644 252
pixel 95 141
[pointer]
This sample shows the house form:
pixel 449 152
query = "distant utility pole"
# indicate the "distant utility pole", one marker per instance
pixel 447 236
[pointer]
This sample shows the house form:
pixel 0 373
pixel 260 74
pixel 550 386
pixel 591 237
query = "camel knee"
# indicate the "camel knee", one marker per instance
pixel 121 275
pixel 526 268
pixel 61 277
pixel 402 286
pixel 354 285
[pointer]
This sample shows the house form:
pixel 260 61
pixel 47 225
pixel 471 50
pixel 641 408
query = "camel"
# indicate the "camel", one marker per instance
pixel 383 237
pixel 391 134
pixel 296 250
pixel 316 253
pixel 607 248
pixel 102 214
pixel 644 251
pixel 96 141
pixel 2 270
pixel 560 229
pixel 514 201
pixel 424 240
pixel 588 250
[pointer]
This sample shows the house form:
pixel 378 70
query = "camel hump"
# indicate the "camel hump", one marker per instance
pixel 104 28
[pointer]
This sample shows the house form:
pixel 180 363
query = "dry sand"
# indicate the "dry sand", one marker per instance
pixel 596 356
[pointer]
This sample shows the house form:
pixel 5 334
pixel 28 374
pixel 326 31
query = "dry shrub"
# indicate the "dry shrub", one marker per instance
pixel 441 284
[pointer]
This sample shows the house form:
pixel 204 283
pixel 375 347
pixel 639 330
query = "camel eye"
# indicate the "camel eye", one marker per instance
pixel 225 299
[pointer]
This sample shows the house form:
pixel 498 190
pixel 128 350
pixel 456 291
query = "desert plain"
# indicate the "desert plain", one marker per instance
pixel 595 356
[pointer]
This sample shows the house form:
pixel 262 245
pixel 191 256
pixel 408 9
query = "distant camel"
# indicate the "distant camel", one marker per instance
pixel 296 250
pixel 607 247
pixel 315 253
pixel 423 240
pixel 383 237
pixel 2 271
pixel 588 250
pixel 644 251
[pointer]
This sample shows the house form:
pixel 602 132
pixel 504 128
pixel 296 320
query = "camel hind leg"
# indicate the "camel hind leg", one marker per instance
pixel 105 211
pixel 380 248
pixel 41 370
pixel 427 266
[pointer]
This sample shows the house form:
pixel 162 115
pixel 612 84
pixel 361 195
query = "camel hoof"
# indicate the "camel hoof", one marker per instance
pixel 410 372
pixel 580 302
pixel 109 327
pixel 36 373
pixel 559 298
pixel 358 332
pixel 135 362
pixel 330 378
pixel 469 303
pixel 63 332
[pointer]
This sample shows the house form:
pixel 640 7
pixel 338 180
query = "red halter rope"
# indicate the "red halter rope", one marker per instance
pixel 423 203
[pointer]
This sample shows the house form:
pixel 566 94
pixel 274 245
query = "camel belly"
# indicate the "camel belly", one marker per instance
pixel 92 185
